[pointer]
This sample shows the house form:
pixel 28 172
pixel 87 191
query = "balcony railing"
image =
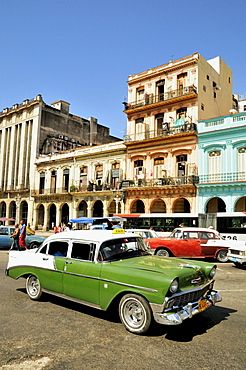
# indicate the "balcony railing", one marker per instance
pixel 153 99
pixel 74 189
pixel 160 182
pixel 222 177
pixel 166 131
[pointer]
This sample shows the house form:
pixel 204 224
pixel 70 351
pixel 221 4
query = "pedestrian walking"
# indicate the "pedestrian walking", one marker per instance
pixel 22 238
pixel 15 236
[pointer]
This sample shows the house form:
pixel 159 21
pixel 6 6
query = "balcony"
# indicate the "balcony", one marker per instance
pixel 161 99
pixel 222 177
pixel 160 182
pixel 166 131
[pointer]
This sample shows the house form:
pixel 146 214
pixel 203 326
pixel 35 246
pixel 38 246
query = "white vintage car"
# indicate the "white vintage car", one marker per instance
pixel 237 254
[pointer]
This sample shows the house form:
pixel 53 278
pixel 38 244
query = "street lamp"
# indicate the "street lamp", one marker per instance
pixel 118 196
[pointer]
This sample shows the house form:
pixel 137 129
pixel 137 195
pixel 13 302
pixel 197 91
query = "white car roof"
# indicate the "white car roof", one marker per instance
pixel 196 229
pixel 132 230
pixel 96 235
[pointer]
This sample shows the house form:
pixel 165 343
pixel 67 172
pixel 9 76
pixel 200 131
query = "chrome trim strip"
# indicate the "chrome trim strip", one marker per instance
pixel 113 282
pixel 60 295
pixel 93 277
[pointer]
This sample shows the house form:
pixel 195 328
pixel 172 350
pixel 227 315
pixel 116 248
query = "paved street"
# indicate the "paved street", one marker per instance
pixel 57 334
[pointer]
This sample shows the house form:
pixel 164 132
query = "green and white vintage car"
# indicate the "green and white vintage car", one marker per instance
pixel 99 268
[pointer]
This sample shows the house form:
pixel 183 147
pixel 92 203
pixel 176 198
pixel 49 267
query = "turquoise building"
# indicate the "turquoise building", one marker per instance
pixel 222 164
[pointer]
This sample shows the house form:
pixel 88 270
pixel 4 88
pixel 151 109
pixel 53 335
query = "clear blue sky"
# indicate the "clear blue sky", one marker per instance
pixel 82 51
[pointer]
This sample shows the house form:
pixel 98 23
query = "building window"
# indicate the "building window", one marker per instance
pixel 214 84
pixel 215 95
pixel 181 82
pixel 207 77
pixel 139 170
pixel 83 177
pixel 241 163
pixel 159 118
pixel 181 112
pixel 53 182
pixel 115 174
pixel 66 179
pixel 99 171
pixel 140 94
pixel 140 129
pixel 244 108
pixel 181 164
pixel 160 89
pixel 229 80
pixel 214 165
pixel 41 183
pixel 202 106
pixel 159 171
pixel 204 88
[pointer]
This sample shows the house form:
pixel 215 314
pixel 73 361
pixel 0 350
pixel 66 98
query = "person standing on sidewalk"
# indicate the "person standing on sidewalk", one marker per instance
pixel 15 236
pixel 22 239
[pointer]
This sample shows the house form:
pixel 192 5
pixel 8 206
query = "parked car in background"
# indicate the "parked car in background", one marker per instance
pixel 191 242
pixel 237 254
pixel 110 268
pixel 32 241
pixel 145 233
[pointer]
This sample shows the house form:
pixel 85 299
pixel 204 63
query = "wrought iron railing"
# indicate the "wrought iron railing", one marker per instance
pixel 166 131
pixel 160 182
pixel 149 99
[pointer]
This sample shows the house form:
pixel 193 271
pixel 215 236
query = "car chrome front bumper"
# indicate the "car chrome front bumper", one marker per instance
pixel 236 258
pixel 186 312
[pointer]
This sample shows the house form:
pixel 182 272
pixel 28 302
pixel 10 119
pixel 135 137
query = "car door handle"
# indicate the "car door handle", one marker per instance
pixel 45 259
pixel 68 262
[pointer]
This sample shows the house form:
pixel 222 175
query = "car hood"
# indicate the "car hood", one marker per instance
pixel 164 265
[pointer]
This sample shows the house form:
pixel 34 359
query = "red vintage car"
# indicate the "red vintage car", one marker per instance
pixel 191 242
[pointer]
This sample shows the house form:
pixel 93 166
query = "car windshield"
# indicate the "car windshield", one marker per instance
pixel 177 234
pixel 122 248
pixel 150 234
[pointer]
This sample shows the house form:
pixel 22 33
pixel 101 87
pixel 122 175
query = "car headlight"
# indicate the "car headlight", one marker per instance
pixel 212 272
pixel 174 286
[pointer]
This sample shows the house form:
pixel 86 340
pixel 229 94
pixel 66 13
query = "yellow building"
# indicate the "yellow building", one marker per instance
pixel 164 105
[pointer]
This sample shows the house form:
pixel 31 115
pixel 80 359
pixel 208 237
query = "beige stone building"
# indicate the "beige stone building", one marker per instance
pixel 77 183
pixel 28 130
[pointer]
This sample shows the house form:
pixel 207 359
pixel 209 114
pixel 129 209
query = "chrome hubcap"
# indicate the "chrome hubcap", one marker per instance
pixel 134 314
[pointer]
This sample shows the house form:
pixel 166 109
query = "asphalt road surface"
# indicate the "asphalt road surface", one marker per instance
pixel 57 334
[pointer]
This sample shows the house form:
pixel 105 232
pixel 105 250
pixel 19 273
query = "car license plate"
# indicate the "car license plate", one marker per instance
pixel 202 305
pixel 234 259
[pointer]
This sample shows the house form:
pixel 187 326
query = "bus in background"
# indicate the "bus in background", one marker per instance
pixel 162 223
pixel 231 225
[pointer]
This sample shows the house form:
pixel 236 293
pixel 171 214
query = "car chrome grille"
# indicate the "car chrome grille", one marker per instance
pixel 233 251
pixel 190 297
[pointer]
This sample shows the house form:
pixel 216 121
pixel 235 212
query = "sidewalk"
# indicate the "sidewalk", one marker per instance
pixel 44 233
